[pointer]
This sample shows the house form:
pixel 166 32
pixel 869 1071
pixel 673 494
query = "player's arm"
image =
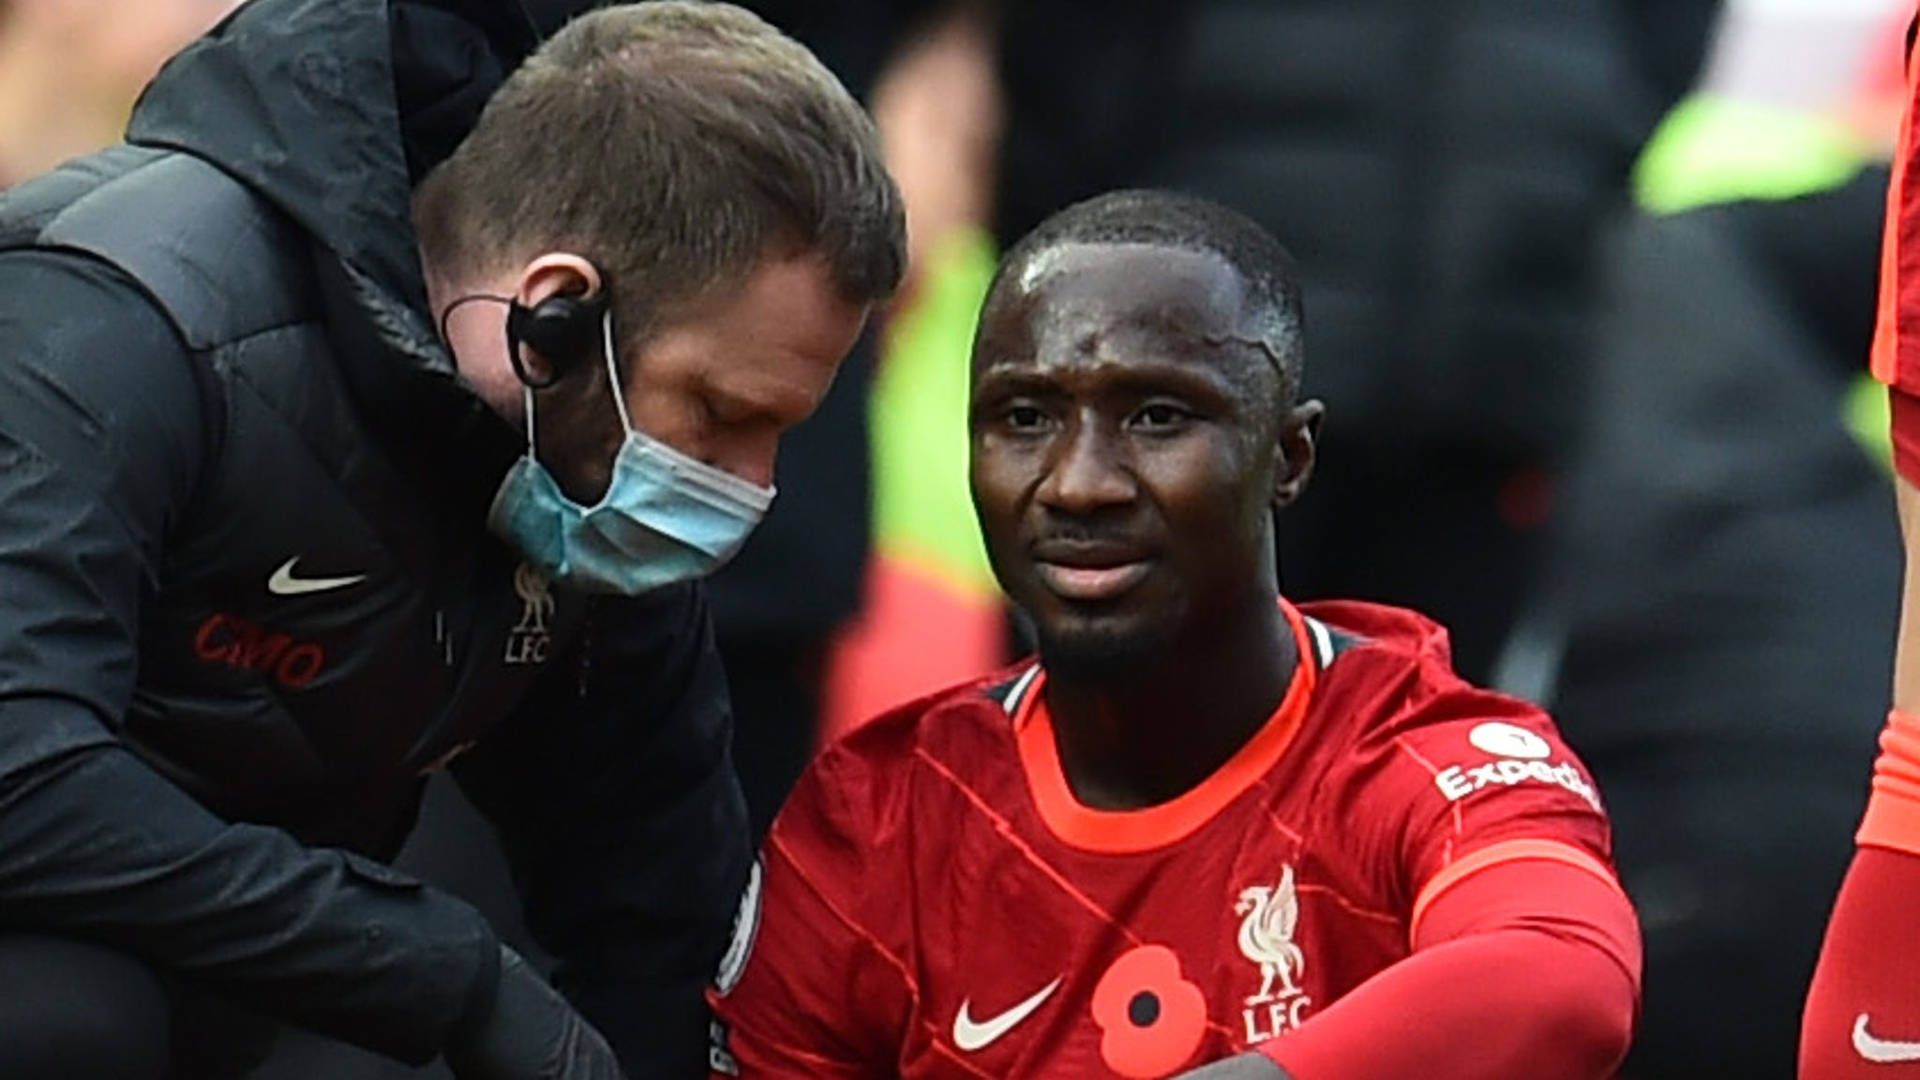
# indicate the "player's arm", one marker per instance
pixel 1525 968
pixel 1862 1017
pixel 616 803
pixel 1906 656
pixel 815 982
pixel 102 440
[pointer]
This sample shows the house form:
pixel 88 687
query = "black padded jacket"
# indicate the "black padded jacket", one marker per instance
pixel 247 596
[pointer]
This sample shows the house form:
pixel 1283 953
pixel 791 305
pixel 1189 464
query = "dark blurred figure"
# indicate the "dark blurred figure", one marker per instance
pixel 1723 606
pixel 1440 170
pixel 70 69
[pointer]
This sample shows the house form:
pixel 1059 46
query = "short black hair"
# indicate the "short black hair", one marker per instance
pixel 1188 223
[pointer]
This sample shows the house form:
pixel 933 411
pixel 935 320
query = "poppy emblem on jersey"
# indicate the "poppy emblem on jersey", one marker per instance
pixel 1269 916
pixel 1151 1018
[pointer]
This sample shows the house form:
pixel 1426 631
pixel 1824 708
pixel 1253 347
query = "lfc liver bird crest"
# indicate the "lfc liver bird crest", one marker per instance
pixel 531 587
pixel 1269 915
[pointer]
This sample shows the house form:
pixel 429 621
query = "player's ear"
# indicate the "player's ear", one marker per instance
pixel 1294 449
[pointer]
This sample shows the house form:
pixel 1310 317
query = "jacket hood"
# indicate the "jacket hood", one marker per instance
pixel 330 110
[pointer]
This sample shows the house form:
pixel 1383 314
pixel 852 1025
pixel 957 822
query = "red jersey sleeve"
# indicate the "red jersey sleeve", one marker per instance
pixel 814 983
pixel 1570 1017
pixel 1474 816
pixel 1896 343
pixel 1459 780
pixel 1896 339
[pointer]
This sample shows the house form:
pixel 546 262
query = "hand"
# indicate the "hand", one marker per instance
pixel 532 1034
pixel 1247 1066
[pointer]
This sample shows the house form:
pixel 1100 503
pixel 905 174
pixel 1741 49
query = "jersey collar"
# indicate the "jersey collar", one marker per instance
pixel 1131 831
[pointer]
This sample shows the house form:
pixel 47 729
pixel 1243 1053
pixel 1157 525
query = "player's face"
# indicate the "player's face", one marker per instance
pixel 1126 447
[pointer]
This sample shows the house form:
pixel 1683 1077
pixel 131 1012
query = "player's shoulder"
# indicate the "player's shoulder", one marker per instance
pixel 1389 672
pixel 862 782
pixel 1402 706
pixel 1384 633
pixel 978 704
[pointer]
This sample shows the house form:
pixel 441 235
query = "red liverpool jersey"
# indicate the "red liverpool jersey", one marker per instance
pixel 934 902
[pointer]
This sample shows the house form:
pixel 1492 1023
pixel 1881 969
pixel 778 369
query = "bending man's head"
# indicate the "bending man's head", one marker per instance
pixel 1135 424
pixel 727 187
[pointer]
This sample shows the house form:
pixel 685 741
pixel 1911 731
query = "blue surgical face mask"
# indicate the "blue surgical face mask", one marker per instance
pixel 664 518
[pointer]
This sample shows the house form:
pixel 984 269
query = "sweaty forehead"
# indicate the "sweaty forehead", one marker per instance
pixel 1075 296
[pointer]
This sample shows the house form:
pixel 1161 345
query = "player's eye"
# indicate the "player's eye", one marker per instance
pixel 1159 417
pixel 1024 418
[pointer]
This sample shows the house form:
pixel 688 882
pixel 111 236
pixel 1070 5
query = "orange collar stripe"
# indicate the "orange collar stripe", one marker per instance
pixel 1121 832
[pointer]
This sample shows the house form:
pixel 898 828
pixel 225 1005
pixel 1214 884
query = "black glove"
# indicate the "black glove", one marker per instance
pixel 531 1034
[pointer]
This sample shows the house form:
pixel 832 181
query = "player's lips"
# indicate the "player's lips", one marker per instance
pixel 1090 582
pixel 1088 571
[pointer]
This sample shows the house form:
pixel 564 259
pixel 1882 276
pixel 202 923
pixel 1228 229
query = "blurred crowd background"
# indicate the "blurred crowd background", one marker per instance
pixel 1589 288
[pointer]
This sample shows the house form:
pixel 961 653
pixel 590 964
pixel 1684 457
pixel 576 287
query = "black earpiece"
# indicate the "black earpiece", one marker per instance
pixel 564 330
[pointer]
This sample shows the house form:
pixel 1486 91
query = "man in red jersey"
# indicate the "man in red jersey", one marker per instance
pixel 1863 1012
pixel 1207 829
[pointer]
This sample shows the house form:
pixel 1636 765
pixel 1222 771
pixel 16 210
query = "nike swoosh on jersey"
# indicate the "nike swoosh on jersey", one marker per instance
pixel 1881 1051
pixel 970 1035
pixel 283 583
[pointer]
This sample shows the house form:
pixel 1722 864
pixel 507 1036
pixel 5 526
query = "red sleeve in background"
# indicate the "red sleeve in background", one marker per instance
pixel 1896 332
pixel 1526 968
pixel 1906 433
pixel 1896 339
pixel 1862 1020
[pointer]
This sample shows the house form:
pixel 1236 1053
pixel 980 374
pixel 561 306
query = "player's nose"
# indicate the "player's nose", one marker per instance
pixel 1088 471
